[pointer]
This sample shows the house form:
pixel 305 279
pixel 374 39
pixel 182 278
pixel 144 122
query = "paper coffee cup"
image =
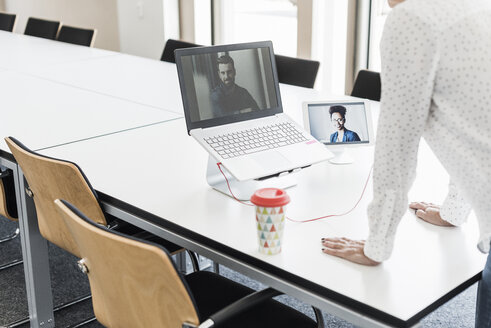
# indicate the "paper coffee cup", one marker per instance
pixel 270 218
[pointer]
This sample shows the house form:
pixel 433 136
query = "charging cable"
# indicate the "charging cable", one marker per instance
pixel 308 220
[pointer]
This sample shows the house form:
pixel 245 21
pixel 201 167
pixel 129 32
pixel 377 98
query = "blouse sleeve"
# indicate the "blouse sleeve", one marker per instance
pixel 410 52
pixel 455 209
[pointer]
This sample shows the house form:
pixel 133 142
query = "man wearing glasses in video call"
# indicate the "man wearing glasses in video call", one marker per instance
pixel 338 118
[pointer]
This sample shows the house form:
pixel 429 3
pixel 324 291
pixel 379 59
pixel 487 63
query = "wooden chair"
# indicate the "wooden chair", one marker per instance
pixel 171 45
pixel 8 209
pixel 42 28
pixel 50 179
pixel 145 289
pixel 367 85
pixel 7 22
pixel 75 35
pixel 296 71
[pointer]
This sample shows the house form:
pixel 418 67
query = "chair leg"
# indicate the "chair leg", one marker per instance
pixel 194 260
pixel 10 264
pixel 11 236
pixel 83 323
pixel 319 317
pixel 57 308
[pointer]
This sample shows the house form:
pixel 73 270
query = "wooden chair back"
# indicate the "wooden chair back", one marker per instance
pixel 76 35
pixel 50 179
pixel 134 283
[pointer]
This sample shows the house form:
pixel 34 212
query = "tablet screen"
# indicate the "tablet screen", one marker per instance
pixel 339 123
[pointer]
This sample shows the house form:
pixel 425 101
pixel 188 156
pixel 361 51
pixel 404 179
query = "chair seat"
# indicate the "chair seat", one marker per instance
pixel 213 292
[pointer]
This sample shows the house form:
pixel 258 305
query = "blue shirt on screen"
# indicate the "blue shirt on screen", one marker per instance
pixel 349 136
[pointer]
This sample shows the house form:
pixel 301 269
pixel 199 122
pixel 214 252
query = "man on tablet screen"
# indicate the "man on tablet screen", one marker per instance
pixel 338 119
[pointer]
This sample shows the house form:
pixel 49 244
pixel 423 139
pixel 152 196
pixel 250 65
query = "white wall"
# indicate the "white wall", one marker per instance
pixel 137 27
pixel 98 14
pixel 142 30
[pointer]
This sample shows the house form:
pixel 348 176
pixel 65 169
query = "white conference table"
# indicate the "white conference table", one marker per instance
pixel 24 53
pixel 172 178
pixel 47 114
pixel 122 77
pixel 171 198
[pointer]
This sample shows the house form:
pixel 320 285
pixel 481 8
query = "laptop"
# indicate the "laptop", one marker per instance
pixel 232 106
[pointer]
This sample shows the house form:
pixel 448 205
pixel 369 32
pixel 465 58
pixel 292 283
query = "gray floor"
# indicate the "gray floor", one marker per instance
pixel 68 283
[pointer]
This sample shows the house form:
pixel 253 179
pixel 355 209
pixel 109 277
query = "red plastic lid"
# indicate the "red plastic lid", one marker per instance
pixel 270 197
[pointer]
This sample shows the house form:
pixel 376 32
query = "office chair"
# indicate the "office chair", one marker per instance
pixel 145 289
pixel 296 71
pixel 8 209
pixel 367 85
pixel 42 28
pixel 7 22
pixel 171 45
pixel 51 178
pixel 75 35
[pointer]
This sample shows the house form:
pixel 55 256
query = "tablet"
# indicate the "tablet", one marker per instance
pixel 339 123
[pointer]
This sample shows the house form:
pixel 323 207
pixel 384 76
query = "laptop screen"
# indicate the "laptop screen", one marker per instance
pixel 226 84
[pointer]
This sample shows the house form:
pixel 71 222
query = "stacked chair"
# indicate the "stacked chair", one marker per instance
pixel 8 209
pixel 75 35
pixel 53 30
pixel 296 71
pixel 367 85
pixel 50 179
pixel 293 71
pixel 171 45
pixel 42 28
pixel 146 290
pixel 7 22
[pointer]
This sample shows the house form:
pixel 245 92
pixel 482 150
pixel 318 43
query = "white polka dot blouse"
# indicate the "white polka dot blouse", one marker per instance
pixel 436 84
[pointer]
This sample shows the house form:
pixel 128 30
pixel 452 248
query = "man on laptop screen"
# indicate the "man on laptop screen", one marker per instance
pixel 233 108
pixel 228 97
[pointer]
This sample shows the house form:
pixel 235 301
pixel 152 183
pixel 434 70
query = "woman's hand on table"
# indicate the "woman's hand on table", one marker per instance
pixel 348 249
pixel 430 213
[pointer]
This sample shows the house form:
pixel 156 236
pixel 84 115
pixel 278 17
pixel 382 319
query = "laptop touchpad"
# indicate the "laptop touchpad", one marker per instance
pixel 271 161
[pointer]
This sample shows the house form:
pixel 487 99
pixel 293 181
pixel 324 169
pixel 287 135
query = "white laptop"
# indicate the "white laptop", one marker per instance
pixel 232 106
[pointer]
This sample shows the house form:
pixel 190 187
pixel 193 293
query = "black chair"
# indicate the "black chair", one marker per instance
pixel 7 22
pixel 296 71
pixel 75 35
pixel 367 85
pixel 171 45
pixel 42 28
pixel 8 209
pixel 157 295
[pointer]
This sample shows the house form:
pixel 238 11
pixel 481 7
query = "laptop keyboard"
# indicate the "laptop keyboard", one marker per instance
pixel 254 140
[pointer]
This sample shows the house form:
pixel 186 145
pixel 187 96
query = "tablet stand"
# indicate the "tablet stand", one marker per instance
pixel 243 190
pixel 341 156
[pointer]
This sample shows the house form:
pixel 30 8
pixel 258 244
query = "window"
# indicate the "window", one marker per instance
pixel 380 9
pixel 259 20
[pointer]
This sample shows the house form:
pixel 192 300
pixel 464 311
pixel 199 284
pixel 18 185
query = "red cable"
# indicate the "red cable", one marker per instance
pixel 228 185
pixel 309 220
pixel 331 215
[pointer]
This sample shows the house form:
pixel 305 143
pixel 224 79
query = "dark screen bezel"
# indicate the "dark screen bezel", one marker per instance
pixel 231 118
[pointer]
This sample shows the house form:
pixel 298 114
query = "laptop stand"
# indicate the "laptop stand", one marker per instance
pixel 243 190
